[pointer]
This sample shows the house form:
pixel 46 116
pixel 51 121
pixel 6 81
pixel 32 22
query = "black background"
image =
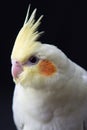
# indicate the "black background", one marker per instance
pixel 65 26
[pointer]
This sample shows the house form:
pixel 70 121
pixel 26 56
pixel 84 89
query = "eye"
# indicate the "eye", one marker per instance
pixel 33 60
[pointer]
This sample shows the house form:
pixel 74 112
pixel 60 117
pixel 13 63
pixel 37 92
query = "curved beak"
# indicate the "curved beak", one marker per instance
pixel 17 69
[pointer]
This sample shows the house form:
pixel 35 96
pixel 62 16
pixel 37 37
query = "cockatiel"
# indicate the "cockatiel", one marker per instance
pixel 51 90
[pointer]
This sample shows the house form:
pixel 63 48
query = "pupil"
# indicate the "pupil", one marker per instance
pixel 33 59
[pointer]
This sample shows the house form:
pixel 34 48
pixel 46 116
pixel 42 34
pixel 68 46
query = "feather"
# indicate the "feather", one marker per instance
pixel 27 36
pixel 27 15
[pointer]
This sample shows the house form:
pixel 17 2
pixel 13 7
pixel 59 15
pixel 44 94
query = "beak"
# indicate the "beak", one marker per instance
pixel 17 69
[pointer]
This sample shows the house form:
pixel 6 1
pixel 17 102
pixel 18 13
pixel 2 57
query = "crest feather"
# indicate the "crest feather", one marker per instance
pixel 32 25
pixel 27 15
pixel 28 35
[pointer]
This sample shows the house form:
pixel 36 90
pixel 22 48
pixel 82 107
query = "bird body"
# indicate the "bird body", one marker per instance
pixel 43 110
pixel 51 90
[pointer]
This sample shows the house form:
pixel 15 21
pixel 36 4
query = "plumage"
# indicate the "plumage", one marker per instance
pixel 27 38
pixel 51 90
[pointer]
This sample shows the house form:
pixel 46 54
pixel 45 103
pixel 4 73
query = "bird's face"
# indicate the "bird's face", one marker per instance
pixel 35 69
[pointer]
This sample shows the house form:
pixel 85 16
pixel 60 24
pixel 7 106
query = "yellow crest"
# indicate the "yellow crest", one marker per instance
pixel 26 40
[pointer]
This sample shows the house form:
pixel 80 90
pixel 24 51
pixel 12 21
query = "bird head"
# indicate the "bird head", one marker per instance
pixel 35 64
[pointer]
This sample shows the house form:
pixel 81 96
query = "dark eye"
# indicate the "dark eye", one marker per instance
pixel 33 60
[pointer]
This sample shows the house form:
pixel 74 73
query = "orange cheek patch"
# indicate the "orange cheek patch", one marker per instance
pixel 47 68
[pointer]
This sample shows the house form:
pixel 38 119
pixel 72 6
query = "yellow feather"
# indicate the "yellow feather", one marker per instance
pixel 26 41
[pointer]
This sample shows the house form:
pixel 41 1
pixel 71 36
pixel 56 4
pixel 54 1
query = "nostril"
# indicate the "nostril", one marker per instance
pixel 16 62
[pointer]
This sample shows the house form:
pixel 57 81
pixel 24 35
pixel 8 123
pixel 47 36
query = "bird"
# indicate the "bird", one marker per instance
pixel 50 89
